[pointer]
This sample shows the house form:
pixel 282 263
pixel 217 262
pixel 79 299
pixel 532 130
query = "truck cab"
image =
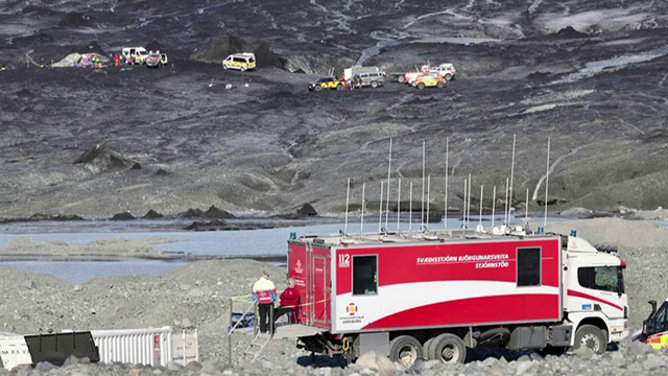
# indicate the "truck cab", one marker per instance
pixel 595 296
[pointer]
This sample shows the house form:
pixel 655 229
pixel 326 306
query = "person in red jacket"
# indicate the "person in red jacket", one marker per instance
pixel 289 300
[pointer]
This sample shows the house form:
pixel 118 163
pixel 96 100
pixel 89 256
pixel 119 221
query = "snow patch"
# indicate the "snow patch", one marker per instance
pixel 613 64
pixel 608 19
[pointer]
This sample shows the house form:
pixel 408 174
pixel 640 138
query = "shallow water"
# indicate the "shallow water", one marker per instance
pixel 265 242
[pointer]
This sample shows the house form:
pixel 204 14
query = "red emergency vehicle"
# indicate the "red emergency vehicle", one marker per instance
pixel 435 295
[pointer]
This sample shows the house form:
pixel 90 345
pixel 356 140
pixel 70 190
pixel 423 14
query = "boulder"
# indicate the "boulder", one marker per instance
pixel 75 20
pixel 101 158
pixel 215 213
pixel 125 216
pixel 307 210
pixel 376 362
pixel 152 214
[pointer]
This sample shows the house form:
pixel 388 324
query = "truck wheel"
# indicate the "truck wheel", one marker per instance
pixel 340 87
pixel 243 69
pixel 420 86
pixel 317 88
pixel 427 346
pixel 448 348
pixel 405 350
pixel 401 79
pixel 592 337
pixel 374 84
pixel 224 67
pixel 440 85
pixel 448 77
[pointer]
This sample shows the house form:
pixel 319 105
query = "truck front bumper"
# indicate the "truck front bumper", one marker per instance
pixel 619 329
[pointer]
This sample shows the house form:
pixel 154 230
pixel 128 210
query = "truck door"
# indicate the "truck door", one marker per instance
pixel 320 293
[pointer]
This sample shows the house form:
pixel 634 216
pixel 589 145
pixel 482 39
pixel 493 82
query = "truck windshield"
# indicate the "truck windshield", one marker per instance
pixel 604 278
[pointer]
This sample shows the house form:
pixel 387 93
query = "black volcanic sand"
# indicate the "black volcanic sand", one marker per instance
pixel 590 75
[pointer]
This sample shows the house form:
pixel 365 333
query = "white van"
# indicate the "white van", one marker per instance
pixel 243 62
pixel 138 53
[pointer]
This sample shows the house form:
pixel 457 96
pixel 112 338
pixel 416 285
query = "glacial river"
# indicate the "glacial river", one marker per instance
pixel 253 243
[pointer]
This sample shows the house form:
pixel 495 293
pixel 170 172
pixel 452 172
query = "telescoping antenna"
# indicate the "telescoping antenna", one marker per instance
pixel 512 173
pixel 424 154
pixel 424 227
pixel 493 206
pixel 398 205
pixel 345 227
pixel 447 165
pixel 505 206
pixel 526 210
pixel 362 212
pixel 410 208
pixel 387 200
pixel 547 180
pixel 468 203
pixel 464 206
pixel 480 229
pixel 380 211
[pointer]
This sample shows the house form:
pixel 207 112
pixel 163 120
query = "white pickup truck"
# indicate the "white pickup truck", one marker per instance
pixel 448 72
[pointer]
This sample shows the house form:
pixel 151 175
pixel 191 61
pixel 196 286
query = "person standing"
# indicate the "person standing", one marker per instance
pixel 117 60
pixel 264 294
pixel 289 301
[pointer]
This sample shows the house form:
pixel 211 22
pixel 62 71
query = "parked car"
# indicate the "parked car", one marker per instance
pixel 327 83
pixel 429 80
pixel 372 79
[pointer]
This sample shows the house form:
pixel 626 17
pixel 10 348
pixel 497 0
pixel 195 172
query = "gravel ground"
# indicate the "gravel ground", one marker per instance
pixel 106 247
pixel 198 294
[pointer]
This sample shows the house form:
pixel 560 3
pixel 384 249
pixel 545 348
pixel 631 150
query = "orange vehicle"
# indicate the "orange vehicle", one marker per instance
pixel 430 80
pixel 327 83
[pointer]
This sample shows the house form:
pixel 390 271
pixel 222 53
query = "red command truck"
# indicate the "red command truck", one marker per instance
pixel 435 296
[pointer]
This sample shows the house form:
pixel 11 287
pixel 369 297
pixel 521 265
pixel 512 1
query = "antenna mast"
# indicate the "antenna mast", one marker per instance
pixel 410 208
pixel 398 205
pixel 480 216
pixel 468 204
pixel 387 200
pixel 380 210
pixel 464 206
pixel 345 227
pixel 424 145
pixel 362 213
pixel 447 165
pixel 428 188
pixel 493 206
pixel 547 180
pixel 512 174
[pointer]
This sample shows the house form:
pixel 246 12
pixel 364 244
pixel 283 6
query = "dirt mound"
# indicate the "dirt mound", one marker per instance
pixel 219 47
pixel 307 210
pixel 154 46
pixel 102 158
pixel 152 214
pixel 125 216
pixel 266 58
pixel 214 212
pixel 25 93
pixel 90 48
pixel 161 172
pixel 211 213
pixel 569 33
pixel 75 19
